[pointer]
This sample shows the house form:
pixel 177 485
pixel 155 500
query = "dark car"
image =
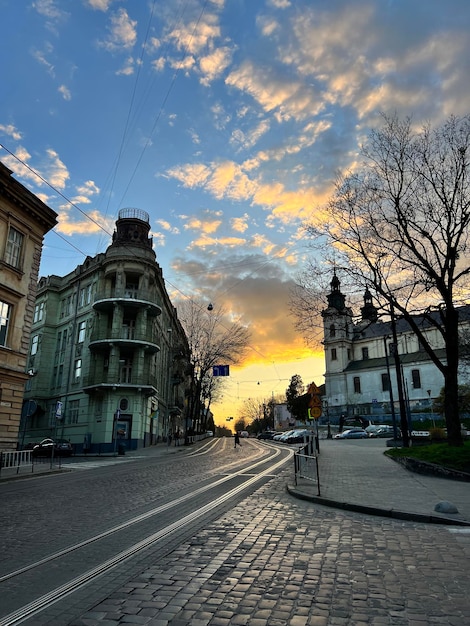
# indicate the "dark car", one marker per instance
pixel 61 447
pixel 267 435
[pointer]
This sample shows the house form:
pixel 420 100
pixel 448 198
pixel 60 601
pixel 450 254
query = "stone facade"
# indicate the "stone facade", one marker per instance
pixel 24 220
pixel 109 355
pixel 360 366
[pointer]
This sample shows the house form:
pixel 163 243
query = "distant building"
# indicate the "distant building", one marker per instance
pixel 360 368
pixel 109 356
pixel 24 220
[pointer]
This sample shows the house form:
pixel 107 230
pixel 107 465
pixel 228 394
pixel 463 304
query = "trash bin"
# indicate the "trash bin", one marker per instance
pixel 121 449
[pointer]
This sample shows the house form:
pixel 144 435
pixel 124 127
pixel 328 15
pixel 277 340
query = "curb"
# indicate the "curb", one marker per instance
pixel 370 510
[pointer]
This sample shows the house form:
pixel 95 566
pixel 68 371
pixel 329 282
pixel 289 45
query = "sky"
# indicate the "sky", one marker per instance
pixel 227 122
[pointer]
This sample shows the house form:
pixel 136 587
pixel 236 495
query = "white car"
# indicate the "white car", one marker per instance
pixel 352 433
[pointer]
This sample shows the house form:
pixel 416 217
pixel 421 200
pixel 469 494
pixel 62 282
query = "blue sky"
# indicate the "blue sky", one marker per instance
pixel 225 120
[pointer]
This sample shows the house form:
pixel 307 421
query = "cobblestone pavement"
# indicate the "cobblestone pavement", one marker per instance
pixel 356 474
pixel 276 560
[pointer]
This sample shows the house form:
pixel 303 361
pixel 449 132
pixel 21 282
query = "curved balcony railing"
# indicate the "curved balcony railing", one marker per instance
pixel 125 335
pixel 130 297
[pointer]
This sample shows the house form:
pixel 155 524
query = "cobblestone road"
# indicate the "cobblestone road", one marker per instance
pixel 274 560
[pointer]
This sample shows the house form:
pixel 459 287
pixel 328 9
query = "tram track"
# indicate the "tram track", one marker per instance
pixel 208 497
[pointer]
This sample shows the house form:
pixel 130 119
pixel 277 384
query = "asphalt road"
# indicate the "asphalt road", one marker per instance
pixel 261 558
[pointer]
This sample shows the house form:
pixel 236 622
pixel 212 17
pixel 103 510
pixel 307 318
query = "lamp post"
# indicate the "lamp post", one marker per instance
pixel 392 405
pixel 430 408
pixel 327 411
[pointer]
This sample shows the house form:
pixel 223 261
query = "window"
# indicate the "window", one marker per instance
pixel 385 382
pixel 416 379
pixel 349 354
pixel 73 410
pixel 78 369
pixel 81 332
pixel 60 374
pixel 34 344
pixel 357 384
pixel 38 312
pixel 334 355
pixel 5 314
pixel 14 248
pixel 66 306
pixel 84 297
pixel 365 353
pixel 332 330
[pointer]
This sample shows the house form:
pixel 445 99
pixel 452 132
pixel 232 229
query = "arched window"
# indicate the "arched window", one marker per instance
pixel 332 330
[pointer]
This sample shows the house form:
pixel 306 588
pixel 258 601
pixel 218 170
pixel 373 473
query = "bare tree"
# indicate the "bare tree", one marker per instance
pixel 399 225
pixel 213 340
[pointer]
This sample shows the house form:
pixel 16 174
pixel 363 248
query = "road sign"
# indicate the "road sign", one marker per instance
pixel 58 410
pixel 221 370
pixel 314 413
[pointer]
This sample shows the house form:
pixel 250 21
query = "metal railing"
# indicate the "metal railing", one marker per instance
pixel 306 464
pixel 16 461
pixel 23 461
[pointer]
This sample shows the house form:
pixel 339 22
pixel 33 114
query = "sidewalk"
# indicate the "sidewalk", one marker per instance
pixel 356 475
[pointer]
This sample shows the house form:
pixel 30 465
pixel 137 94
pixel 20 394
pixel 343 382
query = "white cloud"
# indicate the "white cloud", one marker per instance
pixel 128 68
pixel 40 56
pixel 89 188
pixel 100 5
pixel 286 98
pixel 213 64
pixel 49 9
pixel 122 32
pixel 250 138
pixel 57 173
pixel 65 92
pixel 11 131
pixel 194 36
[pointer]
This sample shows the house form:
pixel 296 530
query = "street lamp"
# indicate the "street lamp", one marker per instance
pixel 430 408
pixel 328 434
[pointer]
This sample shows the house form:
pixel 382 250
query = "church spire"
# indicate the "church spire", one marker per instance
pixel 335 298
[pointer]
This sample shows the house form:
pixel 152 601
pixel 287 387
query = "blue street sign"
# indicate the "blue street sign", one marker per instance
pixel 221 370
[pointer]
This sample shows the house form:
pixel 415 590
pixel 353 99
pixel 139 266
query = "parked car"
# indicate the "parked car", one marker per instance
pixel 387 431
pixel 352 433
pixel 298 436
pixel 269 434
pixel 244 433
pixel 61 447
pixel 280 436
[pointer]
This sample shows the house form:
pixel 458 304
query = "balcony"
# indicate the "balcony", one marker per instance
pixel 124 337
pixel 134 298
pixel 101 380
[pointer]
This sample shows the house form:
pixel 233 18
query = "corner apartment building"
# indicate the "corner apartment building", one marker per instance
pixel 108 357
pixel 24 220
pixel 360 368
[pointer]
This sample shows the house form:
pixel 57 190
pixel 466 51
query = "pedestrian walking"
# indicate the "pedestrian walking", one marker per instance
pixel 237 440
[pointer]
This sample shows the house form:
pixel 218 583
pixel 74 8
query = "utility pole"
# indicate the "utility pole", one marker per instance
pixel 401 396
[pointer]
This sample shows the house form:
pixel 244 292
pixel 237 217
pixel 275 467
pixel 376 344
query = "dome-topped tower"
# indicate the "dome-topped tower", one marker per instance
pixel 368 311
pixel 335 298
pixel 132 227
